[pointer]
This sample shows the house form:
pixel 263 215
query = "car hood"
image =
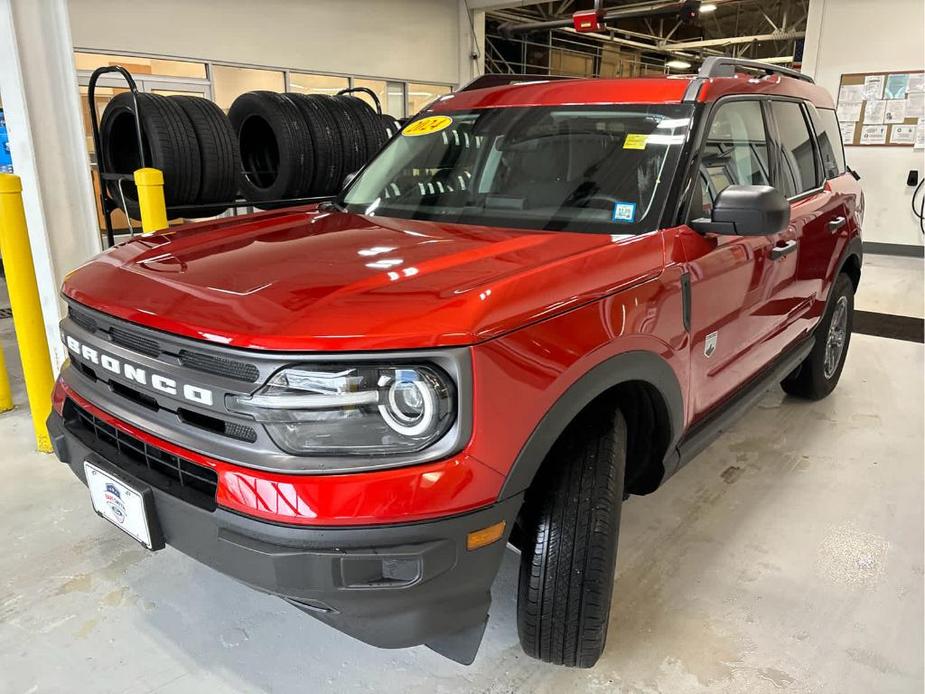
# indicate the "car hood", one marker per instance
pixel 308 280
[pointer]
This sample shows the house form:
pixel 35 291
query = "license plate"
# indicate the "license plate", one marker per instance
pixel 129 509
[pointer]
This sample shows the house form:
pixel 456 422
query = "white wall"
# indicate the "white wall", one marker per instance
pixel 869 36
pixel 416 40
pixel 42 111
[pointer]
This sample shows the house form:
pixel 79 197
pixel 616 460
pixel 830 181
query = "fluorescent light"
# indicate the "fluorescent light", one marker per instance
pixel 678 64
pixel 707 7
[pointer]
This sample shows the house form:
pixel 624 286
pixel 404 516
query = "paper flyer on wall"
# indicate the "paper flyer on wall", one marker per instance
pixel 915 105
pixel 896 86
pixel 902 135
pixel 916 82
pixel 847 132
pixel 873 87
pixel 851 94
pixel 874 111
pixel 850 111
pixel 895 111
pixel 920 134
pixel 873 135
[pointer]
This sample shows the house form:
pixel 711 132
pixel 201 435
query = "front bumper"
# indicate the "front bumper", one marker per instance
pixel 390 586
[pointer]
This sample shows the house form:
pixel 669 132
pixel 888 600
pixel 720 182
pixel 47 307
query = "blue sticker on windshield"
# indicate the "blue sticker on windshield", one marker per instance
pixel 624 212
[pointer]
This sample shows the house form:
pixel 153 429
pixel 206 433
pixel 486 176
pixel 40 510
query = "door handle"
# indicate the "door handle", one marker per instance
pixel 836 224
pixel 782 249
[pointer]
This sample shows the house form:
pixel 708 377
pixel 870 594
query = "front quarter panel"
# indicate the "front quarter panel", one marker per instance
pixel 523 376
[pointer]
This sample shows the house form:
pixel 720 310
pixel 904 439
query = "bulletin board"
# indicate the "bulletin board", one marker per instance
pixel 882 109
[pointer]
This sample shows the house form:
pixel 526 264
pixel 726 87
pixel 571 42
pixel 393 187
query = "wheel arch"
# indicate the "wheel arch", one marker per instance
pixel 642 385
pixel 850 262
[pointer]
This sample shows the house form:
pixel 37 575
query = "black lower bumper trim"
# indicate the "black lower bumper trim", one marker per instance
pixel 390 586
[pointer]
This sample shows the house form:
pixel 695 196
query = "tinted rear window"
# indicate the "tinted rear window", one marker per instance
pixel 797 151
pixel 830 145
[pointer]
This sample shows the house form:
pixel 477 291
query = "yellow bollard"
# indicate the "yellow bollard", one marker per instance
pixel 150 184
pixel 27 311
pixel 6 397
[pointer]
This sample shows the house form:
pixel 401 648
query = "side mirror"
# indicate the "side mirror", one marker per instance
pixel 746 211
pixel 348 179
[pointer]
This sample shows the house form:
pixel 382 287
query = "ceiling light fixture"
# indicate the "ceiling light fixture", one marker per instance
pixel 707 7
pixel 678 64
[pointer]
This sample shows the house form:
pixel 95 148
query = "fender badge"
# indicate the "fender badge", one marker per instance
pixel 709 345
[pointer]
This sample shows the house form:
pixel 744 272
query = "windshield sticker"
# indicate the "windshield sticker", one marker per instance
pixel 624 212
pixel 635 141
pixel 427 126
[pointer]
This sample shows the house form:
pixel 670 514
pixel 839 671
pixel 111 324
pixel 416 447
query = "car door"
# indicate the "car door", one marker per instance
pixel 733 279
pixel 815 215
pixel 828 243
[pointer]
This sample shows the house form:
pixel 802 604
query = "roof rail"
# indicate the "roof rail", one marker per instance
pixel 722 66
pixel 498 80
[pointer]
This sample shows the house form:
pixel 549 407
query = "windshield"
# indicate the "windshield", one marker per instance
pixel 599 169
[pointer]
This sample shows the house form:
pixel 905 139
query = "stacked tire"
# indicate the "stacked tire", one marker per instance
pixel 270 148
pixel 301 145
pixel 188 138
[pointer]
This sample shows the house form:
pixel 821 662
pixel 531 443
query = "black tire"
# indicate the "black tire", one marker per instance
pixel 169 145
pixel 218 153
pixel 391 125
pixel 326 176
pixel 570 523
pixel 353 135
pixel 373 130
pixel 274 145
pixel 816 377
pixel 347 154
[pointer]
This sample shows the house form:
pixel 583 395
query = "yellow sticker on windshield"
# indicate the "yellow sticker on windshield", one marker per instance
pixel 426 126
pixel 635 141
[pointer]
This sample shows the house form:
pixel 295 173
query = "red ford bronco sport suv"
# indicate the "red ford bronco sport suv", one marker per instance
pixel 539 298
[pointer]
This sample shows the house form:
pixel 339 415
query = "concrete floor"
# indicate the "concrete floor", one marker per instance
pixel 787 558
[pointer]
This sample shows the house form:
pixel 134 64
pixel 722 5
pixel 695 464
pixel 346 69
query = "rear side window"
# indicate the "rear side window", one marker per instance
pixel 735 153
pixel 828 134
pixel 797 152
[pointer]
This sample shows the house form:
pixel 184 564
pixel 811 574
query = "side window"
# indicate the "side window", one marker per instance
pixel 828 134
pixel 735 151
pixel 796 149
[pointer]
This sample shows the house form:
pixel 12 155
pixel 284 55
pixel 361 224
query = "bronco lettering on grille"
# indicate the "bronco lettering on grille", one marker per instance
pixel 139 374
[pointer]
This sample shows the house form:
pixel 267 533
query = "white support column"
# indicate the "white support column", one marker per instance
pixel 41 104
pixel 471 42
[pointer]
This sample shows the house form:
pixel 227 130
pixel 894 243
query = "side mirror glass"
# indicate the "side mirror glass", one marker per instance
pixel 746 211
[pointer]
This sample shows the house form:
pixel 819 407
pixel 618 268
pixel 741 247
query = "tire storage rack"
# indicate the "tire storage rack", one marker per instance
pixel 272 150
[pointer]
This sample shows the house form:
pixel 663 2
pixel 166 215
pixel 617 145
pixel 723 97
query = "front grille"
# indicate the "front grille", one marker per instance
pixel 82 319
pixel 136 341
pixel 182 478
pixel 132 340
pixel 233 430
pixel 219 366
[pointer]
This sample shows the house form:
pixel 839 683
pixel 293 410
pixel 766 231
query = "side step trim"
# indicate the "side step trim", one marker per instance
pixel 708 429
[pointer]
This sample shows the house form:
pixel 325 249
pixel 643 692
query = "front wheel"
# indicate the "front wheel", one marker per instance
pixel 818 375
pixel 571 521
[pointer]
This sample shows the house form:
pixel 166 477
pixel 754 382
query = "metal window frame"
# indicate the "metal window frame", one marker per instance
pixel 286 70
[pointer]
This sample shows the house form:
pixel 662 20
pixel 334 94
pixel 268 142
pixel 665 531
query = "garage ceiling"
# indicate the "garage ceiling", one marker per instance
pixel 631 45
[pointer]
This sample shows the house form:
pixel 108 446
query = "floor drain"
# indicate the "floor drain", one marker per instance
pixel 6 313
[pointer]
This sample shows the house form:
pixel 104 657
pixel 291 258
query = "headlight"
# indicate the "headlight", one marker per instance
pixel 353 410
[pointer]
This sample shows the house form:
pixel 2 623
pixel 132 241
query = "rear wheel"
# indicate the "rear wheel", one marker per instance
pixel 818 375
pixel 570 526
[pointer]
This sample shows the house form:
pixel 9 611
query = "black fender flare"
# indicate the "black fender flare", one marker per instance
pixel 644 366
pixel 854 248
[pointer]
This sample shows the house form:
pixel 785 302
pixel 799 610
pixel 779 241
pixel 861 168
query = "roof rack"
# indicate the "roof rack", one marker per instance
pixel 498 80
pixel 721 66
